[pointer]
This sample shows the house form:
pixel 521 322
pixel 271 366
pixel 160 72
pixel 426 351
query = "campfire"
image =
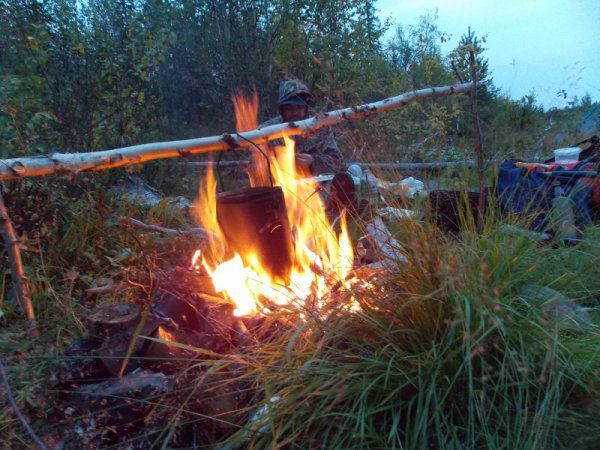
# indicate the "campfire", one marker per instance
pixel 271 244
pixel 267 261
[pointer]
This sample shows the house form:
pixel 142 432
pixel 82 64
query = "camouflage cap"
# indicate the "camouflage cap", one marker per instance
pixel 293 90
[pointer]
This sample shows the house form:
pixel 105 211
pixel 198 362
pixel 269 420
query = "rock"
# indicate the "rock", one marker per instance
pixel 411 187
pixel 381 245
pixel 556 307
pixel 250 430
pixel 136 190
pixel 121 400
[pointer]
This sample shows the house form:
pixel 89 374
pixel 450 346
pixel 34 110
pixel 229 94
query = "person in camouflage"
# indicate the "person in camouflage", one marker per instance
pixel 317 152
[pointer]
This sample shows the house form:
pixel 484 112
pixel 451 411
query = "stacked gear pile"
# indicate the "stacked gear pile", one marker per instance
pixel 552 192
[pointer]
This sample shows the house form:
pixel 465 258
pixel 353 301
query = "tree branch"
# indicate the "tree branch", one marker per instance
pixel 202 232
pixel 456 72
pixel 32 166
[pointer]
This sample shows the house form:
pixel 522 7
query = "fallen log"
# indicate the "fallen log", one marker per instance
pixel 422 166
pixel 15 168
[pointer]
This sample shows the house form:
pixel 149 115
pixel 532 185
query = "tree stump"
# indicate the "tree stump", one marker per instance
pixel 109 319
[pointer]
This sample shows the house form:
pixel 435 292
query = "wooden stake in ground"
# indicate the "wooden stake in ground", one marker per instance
pixel 32 166
pixel 19 279
pixel 478 146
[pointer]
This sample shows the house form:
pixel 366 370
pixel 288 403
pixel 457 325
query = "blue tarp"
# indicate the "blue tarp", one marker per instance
pixel 525 193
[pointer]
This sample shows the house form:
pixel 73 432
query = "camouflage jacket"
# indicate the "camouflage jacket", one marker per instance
pixel 321 145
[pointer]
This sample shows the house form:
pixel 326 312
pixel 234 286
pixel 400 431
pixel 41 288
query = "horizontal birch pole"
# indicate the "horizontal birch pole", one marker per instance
pixel 32 166
pixel 201 165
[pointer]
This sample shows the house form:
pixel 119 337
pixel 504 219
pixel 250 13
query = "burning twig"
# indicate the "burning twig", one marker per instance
pixel 20 281
pixel 15 168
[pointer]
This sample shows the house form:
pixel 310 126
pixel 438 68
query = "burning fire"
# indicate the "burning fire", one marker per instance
pixel 321 259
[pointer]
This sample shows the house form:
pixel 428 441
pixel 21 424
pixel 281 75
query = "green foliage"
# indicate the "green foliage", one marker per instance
pixel 77 76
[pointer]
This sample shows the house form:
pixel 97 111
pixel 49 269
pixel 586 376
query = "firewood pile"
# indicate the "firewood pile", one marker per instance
pixel 135 366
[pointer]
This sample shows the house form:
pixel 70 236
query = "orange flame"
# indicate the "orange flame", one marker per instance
pixel 322 257
pixel 246 118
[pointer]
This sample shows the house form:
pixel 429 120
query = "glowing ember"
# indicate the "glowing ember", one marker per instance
pixel 322 257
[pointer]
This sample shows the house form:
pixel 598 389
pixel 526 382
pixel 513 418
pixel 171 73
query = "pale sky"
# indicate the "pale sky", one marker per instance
pixel 541 45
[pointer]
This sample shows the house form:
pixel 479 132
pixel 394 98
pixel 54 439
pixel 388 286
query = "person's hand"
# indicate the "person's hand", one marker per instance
pixel 304 161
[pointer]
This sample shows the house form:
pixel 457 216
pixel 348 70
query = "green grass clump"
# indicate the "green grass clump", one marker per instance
pixel 444 354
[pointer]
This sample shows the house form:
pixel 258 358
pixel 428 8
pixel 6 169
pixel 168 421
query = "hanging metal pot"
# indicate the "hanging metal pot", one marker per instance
pixel 254 221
